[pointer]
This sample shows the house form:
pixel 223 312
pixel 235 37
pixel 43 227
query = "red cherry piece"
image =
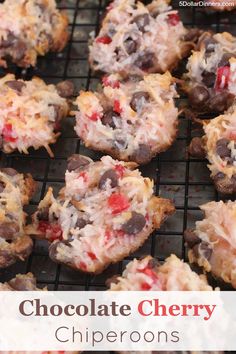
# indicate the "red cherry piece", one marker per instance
pixel 92 255
pixel 120 170
pixel 52 231
pixel 104 40
pixel 7 133
pixel 222 77
pixel 94 116
pixel 84 175
pixel 173 19
pixel 145 286
pixel 116 107
pixel 107 236
pixel 232 135
pixel 119 233
pixel 82 266
pixel 118 203
pixel 106 82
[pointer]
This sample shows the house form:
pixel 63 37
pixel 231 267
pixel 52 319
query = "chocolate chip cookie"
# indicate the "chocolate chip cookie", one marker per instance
pixel 212 242
pixel 135 39
pixel 30 28
pixel 147 274
pixel 211 77
pixel 131 119
pixel 31 112
pixel 218 145
pixel 105 212
pixel 15 192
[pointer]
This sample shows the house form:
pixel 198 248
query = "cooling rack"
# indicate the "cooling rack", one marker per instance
pixel 176 175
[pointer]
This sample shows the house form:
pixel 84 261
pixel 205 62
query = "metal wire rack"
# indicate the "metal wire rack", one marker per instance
pixel 176 176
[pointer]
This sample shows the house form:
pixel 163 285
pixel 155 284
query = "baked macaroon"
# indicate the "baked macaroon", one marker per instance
pixel 130 119
pixel 105 212
pixel 16 190
pixel 210 80
pixel 220 5
pixel 219 146
pixel 22 282
pixel 30 114
pixel 212 243
pixel 135 39
pixel 30 28
pixel 148 274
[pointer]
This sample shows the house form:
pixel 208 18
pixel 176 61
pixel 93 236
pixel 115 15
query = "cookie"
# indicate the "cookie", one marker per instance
pixel 210 80
pixel 135 39
pixel 218 143
pixel 148 274
pixel 105 212
pixel 31 112
pixel 22 282
pixel 131 120
pixel 212 243
pixel 30 28
pixel 15 192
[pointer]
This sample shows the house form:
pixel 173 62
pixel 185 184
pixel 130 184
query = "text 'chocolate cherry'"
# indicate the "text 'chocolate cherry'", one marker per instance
pixel 135 224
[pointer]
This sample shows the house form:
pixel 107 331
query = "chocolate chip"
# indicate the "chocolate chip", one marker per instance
pixel 222 148
pixel 191 238
pixel 111 176
pixel 142 155
pixel 208 41
pixel 119 143
pixel 141 21
pixel 77 161
pixel 208 78
pixel 196 148
pixel 138 99
pixel 224 184
pixel 221 101
pixel 135 224
pixel 224 61
pixel 9 171
pixel 130 45
pixel 198 96
pixel 81 223
pixel 153 263
pixel 145 61
pixel 192 35
pixel 16 85
pixel 65 88
pixel 43 214
pixel 109 118
pixel 203 250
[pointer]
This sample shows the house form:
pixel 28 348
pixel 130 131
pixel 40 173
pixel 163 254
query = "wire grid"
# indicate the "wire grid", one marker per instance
pixel 176 176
